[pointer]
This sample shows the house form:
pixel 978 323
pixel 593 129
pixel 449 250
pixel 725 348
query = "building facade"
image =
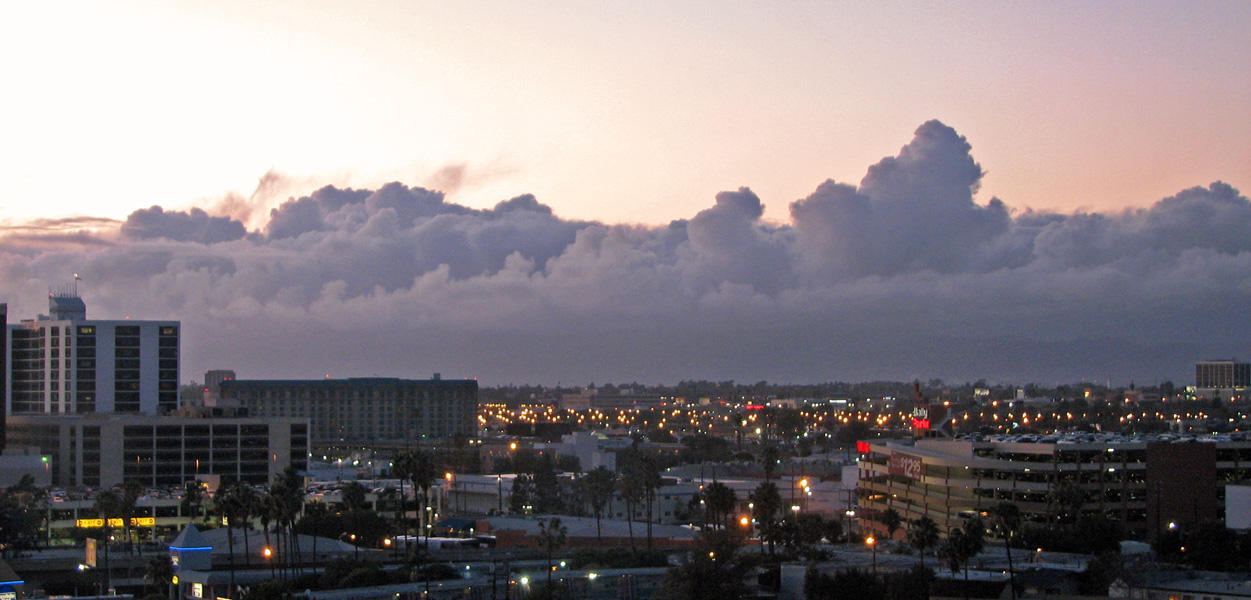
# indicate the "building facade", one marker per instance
pixel 1143 483
pixel 63 363
pixel 1222 374
pixel 106 450
pixel 363 410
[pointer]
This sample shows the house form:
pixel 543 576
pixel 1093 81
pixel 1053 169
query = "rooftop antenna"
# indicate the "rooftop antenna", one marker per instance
pixel 76 280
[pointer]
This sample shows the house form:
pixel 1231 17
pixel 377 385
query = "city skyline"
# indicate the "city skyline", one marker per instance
pixel 566 193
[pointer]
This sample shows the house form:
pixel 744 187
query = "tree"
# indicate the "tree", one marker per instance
pixel 291 496
pixel 769 456
pixel 227 506
pixel 649 472
pixel 108 506
pixel 803 531
pixel 402 468
pixel 249 507
pixel 354 496
pixel 713 572
pixel 630 486
pixel 160 573
pixel 833 530
pixel 22 514
pixel 1006 518
pixel 963 543
pixel 552 537
pixel 521 500
pixel 131 492
pixel 923 535
pixel 192 498
pixel 766 506
pixel 423 474
pixel 719 502
pixel 892 521
pixel 597 488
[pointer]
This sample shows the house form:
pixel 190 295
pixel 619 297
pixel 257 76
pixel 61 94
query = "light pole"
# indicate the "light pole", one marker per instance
pixel 872 546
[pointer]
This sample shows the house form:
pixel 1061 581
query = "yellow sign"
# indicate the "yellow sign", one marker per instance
pixel 134 522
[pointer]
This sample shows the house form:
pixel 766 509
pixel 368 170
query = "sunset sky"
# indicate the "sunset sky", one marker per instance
pixel 573 191
pixel 621 112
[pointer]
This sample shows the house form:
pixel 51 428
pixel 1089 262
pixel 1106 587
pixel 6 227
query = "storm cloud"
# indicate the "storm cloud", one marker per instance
pixel 906 274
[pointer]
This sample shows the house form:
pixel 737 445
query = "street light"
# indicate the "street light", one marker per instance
pixel 872 543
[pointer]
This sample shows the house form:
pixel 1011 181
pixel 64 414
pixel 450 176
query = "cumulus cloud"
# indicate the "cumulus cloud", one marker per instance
pixel 905 274
pixel 194 225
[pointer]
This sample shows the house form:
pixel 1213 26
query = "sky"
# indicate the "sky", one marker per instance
pixel 652 191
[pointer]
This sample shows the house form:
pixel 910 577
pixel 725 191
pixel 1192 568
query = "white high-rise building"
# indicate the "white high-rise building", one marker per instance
pixel 64 363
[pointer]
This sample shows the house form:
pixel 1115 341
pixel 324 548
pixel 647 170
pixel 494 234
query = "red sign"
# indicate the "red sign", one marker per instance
pixel 862 447
pixel 755 407
pixel 908 466
pixel 920 423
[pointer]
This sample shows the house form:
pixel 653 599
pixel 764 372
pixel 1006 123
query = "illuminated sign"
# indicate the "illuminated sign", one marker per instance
pixel 862 447
pixel 115 522
pixel 920 423
pixel 908 466
pixel 755 407
pixel 197 590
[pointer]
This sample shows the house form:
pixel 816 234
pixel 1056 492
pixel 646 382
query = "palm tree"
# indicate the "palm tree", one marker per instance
pixel 552 536
pixel 288 491
pixel 598 487
pixel 267 506
pixel 649 471
pixel 923 535
pixel 131 493
pixel 769 456
pixel 630 486
pixel 892 521
pixel 423 475
pixel 108 503
pixel 160 573
pixel 354 496
pixel 192 499
pixel 249 506
pixel 226 504
pixel 402 468
pixel 1007 521
pixel 719 501
pixel 963 543
pixel 766 506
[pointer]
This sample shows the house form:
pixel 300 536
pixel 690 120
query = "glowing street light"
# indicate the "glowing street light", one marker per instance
pixel 872 543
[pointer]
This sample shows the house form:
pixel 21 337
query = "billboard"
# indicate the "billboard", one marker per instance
pixel 908 466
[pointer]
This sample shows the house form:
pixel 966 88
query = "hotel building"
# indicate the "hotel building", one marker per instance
pixel 369 410
pixel 63 363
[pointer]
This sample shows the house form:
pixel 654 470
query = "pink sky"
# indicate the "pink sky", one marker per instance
pixel 621 112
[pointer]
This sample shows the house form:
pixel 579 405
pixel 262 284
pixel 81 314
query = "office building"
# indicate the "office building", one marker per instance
pixel 1222 374
pixel 363 410
pixel 105 450
pixel 1142 482
pixel 63 363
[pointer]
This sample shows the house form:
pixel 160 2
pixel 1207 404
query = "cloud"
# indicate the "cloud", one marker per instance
pixel 194 225
pixel 905 274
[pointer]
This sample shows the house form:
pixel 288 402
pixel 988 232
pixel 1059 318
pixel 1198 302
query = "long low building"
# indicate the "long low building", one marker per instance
pixel 1144 482
pixel 98 450
pixel 365 410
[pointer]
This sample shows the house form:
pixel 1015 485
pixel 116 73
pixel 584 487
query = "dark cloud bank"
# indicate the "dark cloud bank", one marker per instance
pixel 902 276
